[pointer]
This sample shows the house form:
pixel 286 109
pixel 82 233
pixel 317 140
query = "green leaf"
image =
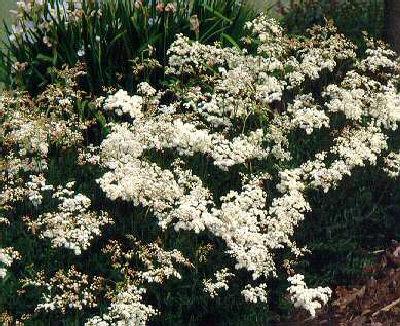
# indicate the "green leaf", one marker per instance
pixel 217 13
pixel 230 40
pixel 45 58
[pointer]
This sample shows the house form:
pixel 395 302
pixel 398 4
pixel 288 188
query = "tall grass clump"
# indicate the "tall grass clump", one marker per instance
pixel 114 39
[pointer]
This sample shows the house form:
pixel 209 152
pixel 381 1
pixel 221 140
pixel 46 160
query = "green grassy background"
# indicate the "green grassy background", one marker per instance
pixel 5 6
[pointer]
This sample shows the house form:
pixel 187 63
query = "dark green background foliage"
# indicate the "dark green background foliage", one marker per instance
pixel 352 17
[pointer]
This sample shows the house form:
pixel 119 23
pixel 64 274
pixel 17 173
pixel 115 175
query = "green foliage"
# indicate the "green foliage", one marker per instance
pixel 350 16
pixel 111 37
pixel 347 225
pixel 5 6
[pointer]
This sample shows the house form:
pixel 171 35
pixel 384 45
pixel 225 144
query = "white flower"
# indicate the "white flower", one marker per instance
pixel 126 310
pixel 122 103
pixel 307 298
pixel 255 294
pixel 72 225
pixel 222 276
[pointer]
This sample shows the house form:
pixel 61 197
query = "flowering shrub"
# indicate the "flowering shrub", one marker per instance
pixel 202 182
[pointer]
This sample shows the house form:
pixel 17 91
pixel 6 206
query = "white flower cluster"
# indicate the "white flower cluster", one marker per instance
pixel 380 59
pixel 126 309
pixel 310 60
pixel 127 143
pixel 239 150
pixel 239 223
pixel 221 282
pixel 248 85
pixel 171 195
pixel 392 165
pixel 306 115
pixel 126 306
pixel 354 149
pixel 122 103
pixel 26 135
pixel 142 183
pixel 359 145
pixel 277 136
pixel 269 35
pixel 72 225
pixel 31 139
pixel 239 81
pixel 159 263
pixel 66 290
pixel 190 212
pixel 255 294
pixel 360 96
pixel 147 91
pixel 36 186
pixel 307 298
pixel 187 57
pixel 7 256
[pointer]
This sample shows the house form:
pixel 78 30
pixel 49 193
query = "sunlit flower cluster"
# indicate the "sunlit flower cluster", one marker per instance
pixel 66 290
pixel 72 225
pixel 307 298
pixel 392 165
pixel 126 309
pixel 255 294
pixel 220 284
pixel 122 103
pixel 7 256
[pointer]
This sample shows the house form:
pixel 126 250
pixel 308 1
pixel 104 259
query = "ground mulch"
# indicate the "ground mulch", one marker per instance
pixel 374 301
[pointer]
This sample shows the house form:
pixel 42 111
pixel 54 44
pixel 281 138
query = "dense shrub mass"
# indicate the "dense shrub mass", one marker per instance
pixel 180 203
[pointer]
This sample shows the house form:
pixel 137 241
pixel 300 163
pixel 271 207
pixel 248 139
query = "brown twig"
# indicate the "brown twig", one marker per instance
pixel 387 308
